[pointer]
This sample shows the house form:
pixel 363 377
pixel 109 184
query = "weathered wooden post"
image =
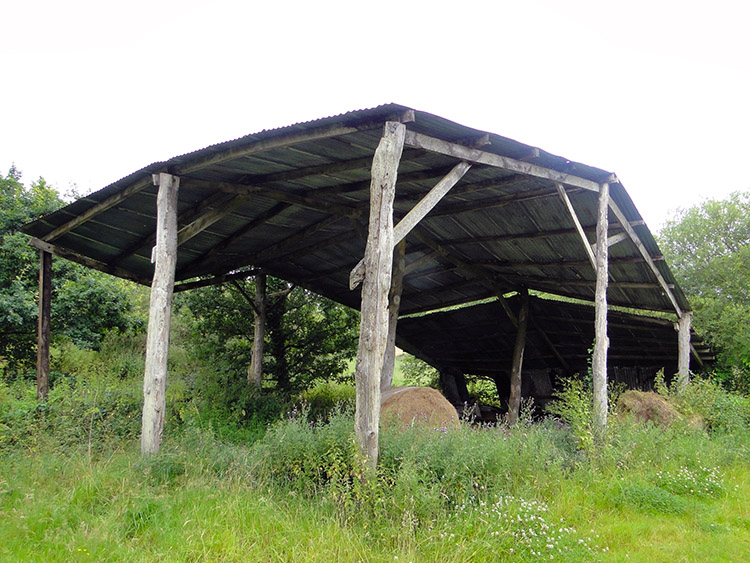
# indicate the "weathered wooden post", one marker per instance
pixel 255 371
pixel 601 343
pixel 514 401
pixel 683 352
pixel 394 303
pixel 160 312
pixel 43 323
pixel 373 331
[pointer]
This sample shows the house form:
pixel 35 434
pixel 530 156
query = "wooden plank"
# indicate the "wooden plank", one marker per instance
pixel 477 156
pixel 187 270
pixel 43 325
pixel 577 223
pixel 394 304
pixel 417 213
pixel 85 261
pixel 216 280
pixel 208 218
pixel 373 331
pixel 98 208
pixel 514 401
pixel 644 252
pixel 429 201
pixel 683 350
pixel 491 202
pixel 315 203
pixel 188 216
pixel 619 237
pixel 159 319
pixel 601 342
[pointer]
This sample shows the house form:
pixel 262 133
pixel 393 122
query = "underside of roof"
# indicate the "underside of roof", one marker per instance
pixel 479 339
pixel 294 203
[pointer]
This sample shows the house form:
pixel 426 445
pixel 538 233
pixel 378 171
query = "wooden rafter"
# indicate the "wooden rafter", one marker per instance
pixel 579 228
pixel 416 214
pixel 185 286
pixel 100 207
pixel 491 202
pixel 194 265
pixel 418 140
pixel 644 252
pixel 85 261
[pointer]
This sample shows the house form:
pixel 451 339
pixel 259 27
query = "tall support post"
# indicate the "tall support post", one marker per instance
pixel 255 370
pixel 683 354
pixel 514 401
pixel 378 262
pixel 43 322
pixel 394 303
pixel 159 316
pixel 601 343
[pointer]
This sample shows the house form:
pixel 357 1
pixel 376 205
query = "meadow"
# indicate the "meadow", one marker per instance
pixel 73 485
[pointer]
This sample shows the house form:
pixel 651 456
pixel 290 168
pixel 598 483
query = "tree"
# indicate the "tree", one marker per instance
pixel 308 337
pixel 708 248
pixel 85 303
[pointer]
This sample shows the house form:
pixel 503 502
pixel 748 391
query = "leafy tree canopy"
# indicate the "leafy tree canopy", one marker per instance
pixel 85 303
pixel 708 249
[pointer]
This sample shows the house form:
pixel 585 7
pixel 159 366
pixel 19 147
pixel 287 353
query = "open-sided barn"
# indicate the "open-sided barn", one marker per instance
pixel 481 216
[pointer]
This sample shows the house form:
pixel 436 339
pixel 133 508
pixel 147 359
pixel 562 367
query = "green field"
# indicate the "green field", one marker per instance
pixel 73 488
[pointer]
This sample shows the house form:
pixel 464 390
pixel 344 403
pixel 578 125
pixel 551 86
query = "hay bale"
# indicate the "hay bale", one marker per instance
pixel 648 407
pixel 406 406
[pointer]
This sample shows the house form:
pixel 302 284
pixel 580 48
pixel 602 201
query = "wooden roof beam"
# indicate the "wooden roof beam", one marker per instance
pixel 85 261
pixel 577 223
pixel 560 264
pixel 98 208
pixel 644 252
pixel 418 140
pixel 195 265
pixel 185 286
pixel 416 214
pixel 491 202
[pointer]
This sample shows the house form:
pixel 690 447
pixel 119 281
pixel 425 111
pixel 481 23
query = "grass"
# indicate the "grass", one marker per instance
pixel 505 494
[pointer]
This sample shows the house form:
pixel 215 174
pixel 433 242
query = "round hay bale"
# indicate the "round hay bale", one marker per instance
pixel 648 407
pixel 408 406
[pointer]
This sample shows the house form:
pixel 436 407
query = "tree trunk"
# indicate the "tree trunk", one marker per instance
pixel 255 370
pixel 373 331
pixel 159 318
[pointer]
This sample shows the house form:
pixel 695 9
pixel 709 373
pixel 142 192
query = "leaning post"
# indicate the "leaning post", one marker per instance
pixel 601 342
pixel 394 303
pixel 373 329
pixel 43 323
pixel 159 316
pixel 683 352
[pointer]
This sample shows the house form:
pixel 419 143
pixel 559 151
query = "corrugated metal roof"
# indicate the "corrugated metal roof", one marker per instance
pixel 302 216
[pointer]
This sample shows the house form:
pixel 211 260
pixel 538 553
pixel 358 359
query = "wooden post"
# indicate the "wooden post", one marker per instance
pixel 159 316
pixel 255 370
pixel 601 343
pixel 683 354
pixel 514 401
pixel 42 350
pixel 394 303
pixel 373 331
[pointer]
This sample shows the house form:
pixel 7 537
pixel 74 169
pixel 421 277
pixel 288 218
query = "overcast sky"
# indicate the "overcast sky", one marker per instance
pixel 656 91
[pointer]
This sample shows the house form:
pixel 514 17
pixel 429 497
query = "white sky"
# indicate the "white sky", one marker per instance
pixel 657 91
